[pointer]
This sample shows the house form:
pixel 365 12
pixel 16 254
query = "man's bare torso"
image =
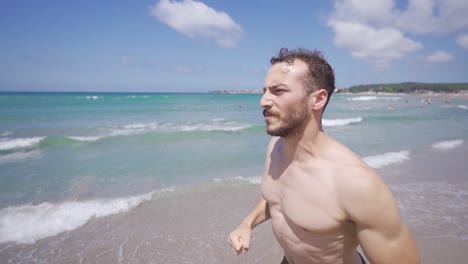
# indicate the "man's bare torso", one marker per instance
pixel 307 216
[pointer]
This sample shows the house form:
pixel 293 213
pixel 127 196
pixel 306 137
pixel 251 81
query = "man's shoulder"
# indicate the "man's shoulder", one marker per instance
pixel 359 187
pixel 354 174
pixel 347 163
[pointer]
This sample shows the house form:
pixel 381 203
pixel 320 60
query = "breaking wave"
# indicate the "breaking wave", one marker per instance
pixel 449 144
pixel 382 160
pixel 27 224
pixel 341 122
pixel 9 144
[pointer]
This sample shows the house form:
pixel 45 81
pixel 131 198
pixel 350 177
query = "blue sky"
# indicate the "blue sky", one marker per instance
pixel 199 46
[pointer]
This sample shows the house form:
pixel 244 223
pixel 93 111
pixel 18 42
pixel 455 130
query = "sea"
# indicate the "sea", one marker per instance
pixel 164 177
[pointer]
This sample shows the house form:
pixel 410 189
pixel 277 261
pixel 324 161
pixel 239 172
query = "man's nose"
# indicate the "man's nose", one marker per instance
pixel 265 101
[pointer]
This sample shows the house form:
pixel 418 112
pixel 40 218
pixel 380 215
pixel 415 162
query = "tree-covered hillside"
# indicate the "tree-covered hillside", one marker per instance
pixel 409 87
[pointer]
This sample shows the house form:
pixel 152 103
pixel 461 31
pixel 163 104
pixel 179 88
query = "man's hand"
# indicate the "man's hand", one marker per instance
pixel 239 239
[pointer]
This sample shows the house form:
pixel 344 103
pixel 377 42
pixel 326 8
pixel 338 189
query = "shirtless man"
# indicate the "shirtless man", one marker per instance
pixel 323 200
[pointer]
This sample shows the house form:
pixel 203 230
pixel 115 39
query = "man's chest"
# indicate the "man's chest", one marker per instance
pixel 306 198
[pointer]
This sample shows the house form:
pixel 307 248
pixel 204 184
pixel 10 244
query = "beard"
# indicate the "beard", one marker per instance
pixel 289 123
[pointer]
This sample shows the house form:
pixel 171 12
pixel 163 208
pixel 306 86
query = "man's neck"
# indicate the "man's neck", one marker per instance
pixel 307 143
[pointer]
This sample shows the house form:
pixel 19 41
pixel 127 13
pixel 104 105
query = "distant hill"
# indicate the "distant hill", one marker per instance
pixel 243 91
pixel 408 87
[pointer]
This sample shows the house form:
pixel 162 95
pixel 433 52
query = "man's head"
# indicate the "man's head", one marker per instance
pixel 295 90
pixel 320 74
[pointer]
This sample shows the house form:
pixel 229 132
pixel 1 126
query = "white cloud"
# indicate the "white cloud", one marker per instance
pixel 433 16
pixel 378 31
pixel 363 11
pixel 462 40
pixel 418 17
pixel 197 20
pixel 440 56
pixel 379 46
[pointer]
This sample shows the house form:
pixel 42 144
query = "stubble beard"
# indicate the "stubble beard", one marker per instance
pixel 291 123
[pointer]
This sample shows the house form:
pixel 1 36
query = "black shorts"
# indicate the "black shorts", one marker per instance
pixel 285 261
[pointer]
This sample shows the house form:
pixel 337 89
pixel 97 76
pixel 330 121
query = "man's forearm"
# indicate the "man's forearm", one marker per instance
pixel 259 214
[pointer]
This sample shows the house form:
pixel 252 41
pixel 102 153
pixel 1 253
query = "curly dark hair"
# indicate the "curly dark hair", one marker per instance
pixel 321 75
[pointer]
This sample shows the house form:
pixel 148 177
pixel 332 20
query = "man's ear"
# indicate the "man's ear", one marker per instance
pixel 320 99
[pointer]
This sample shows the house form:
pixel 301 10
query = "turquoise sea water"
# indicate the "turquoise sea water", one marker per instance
pixel 49 142
pixel 101 149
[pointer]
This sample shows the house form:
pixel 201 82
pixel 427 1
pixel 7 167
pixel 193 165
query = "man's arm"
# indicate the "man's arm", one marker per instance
pixel 239 239
pixel 380 230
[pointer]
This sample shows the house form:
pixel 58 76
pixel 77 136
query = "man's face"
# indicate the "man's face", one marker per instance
pixel 285 101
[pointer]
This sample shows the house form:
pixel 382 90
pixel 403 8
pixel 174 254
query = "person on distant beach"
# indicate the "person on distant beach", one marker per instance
pixel 323 200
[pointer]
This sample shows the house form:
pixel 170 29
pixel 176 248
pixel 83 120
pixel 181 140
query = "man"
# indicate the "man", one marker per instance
pixel 322 199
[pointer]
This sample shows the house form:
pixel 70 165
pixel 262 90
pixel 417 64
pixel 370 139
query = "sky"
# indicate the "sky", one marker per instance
pixel 206 45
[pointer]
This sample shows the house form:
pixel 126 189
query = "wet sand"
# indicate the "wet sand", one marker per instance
pixel 432 192
pixel 189 226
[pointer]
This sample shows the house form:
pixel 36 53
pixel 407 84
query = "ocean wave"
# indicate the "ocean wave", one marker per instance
pixel 27 224
pixel 379 161
pixel 5 133
pixel 9 144
pixel 252 180
pixel 446 215
pixel 133 129
pixel 449 144
pixel 214 125
pixel 341 122
pixel 86 139
pixel 370 98
pixel 19 156
pixel 462 106
pixel 140 128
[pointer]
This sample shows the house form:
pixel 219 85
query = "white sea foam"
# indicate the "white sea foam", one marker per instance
pixel 7 144
pixel 379 161
pixel 19 156
pixel 140 128
pixel 370 98
pixel 252 180
pixel 92 97
pixel 212 127
pixel 446 215
pixel 449 144
pixel 29 223
pixel 86 139
pixel 363 98
pixel 462 106
pixel 5 133
pixel 133 129
pixel 341 122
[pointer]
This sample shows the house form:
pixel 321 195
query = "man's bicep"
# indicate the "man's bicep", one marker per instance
pixel 381 232
pixel 392 245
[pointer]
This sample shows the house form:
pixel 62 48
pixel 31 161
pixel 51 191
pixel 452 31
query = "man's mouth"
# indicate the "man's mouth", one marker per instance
pixel 267 113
